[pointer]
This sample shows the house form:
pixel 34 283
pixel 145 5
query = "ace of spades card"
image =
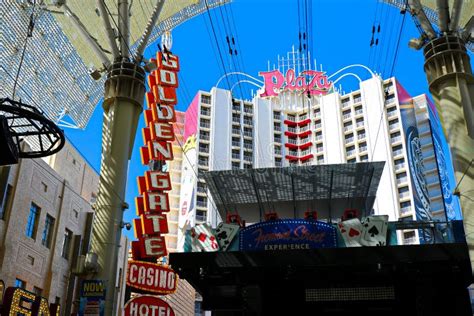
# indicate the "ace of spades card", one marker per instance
pixel 351 231
pixel 375 230
pixel 225 233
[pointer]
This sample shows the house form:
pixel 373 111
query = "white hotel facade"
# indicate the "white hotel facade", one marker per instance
pixel 289 130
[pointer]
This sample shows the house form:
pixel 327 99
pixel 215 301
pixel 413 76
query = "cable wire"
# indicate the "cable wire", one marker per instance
pixel 29 33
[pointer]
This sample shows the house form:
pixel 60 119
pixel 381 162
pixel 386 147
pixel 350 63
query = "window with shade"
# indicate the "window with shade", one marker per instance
pixel 32 223
pixel 20 283
pixel 67 243
pixel 48 231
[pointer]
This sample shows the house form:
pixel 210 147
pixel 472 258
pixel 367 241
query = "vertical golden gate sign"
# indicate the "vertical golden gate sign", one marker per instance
pixel 153 203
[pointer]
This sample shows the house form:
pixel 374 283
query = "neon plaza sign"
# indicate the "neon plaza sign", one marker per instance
pixel 309 81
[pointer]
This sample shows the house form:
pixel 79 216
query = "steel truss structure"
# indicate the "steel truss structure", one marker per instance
pixel 55 74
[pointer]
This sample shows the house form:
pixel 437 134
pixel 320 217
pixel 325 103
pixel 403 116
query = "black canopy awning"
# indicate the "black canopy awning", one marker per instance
pixel 298 185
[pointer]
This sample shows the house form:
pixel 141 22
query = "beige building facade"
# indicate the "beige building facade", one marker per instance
pixel 45 222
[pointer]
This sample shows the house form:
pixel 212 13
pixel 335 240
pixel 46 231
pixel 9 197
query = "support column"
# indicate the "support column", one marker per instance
pixel 124 92
pixel 451 82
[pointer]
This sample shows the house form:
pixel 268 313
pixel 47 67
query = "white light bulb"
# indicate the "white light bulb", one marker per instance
pixel 166 40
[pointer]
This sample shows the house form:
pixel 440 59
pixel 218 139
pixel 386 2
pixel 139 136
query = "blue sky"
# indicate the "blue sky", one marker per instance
pixel 264 29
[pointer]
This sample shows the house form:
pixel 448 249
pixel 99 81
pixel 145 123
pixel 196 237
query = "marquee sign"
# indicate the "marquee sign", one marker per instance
pixel 309 81
pixel 147 305
pixel 18 301
pixel 153 202
pixel 287 234
pixel 151 277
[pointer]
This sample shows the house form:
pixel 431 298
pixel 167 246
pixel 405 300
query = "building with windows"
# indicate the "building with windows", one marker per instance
pixel 45 225
pixel 174 168
pixel 377 122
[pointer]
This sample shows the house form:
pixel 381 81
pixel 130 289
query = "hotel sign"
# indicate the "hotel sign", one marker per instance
pixel 287 234
pixel 309 81
pixel 147 305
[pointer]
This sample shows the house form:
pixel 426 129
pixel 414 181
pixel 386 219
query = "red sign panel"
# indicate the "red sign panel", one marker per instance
pixel 151 277
pixel 147 305
pixel 158 135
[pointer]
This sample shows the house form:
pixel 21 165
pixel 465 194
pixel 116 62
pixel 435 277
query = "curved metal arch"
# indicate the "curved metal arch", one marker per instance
pixel 353 66
pixel 236 73
pixel 345 75
pixel 245 81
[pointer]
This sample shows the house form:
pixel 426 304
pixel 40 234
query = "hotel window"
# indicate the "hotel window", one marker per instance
pixel 350 150
pixel 205 123
pixel 204 135
pixel 5 201
pixel 48 231
pixel 394 137
pixel 205 99
pixel 364 158
pixel 390 98
pixel 235 118
pixel 397 150
pixel 351 160
pixel 319 148
pixel 357 98
pixel 236 141
pixel 278 162
pixel 20 283
pixel 346 114
pixel 67 243
pixel 409 235
pixel 248 109
pixel 32 223
pixel 403 192
pixel 235 165
pixel 388 84
pixel 349 138
pixel 201 215
pixel 405 204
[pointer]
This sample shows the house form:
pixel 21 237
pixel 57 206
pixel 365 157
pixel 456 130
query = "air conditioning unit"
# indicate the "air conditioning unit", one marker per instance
pixel 91 263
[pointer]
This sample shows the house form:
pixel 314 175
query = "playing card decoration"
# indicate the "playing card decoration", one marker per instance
pixel 372 231
pixel 225 234
pixel 351 231
pixel 203 238
pixel 375 230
